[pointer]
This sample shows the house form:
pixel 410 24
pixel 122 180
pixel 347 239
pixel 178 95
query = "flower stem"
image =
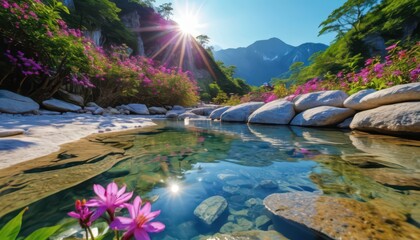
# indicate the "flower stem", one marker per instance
pixel 87 235
pixel 91 234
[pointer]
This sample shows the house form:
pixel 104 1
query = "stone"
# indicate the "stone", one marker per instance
pixel 268 184
pixel 253 202
pixel 400 119
pixel 242 225
pixel 112 111
pixel 262 221
pixel 241 112
pixel 341 218
pixel 215 114
pixel 203 111
pixel 92 104
pixel 157 110
pixel 354 100
pixel 334 98
pixel 140 109
pixel 247 235
pixel 10 132
pixel 210 209
pixel 60 106
pixel 322 116
pixel 47 112
pixel 394 178
pixel 230 189
pixel 187 115
pixel 11 102
pixel 178 108
pixel 90 109
pixel 187 230
pixel 99 111
pixel 345 123
pixel 395 94
pixel 174 113
pixel 70 97
pixel 275 112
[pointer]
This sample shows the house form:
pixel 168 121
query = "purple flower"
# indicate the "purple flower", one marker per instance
pixel 82 213
pixel 108 200
pixel 393 46
pixel 368 61
pixel 138 225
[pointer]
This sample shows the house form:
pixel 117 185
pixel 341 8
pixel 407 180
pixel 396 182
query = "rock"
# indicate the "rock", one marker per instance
pixel 10 132
pixel 187 230
pixel 99 111
pixel 204 111
pixel 140 109
pixel 174 113
pixel 253 202
pixel 341 218
pixel 394 178
pixel 124 107
pixel 268 184
pixel 187 115
pixel 241 112
pixel 322 116
pixel 395 94
pixel 211 209
pixel 345 123
pixel 178 108
pixel 247 235
pixel 92 104
pixel 215 114
pixel 14 103
pixel 90 109
pixel 400 119
pixel 60 106
pixel 47 112
pixel 230 189
pixel 262 221
pixel 334 98
pixel 70 97
pixel 242 225
pixel 157 110
pixel 112 111
pixel 354 100
pixel 276 112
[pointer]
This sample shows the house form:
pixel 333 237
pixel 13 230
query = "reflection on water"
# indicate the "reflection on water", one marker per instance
pixel 179 165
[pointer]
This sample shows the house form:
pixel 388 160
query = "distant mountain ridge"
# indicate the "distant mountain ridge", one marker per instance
pixel 265 59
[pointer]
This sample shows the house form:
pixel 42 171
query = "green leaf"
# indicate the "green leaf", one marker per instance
pixel 43 233
pixel 11 230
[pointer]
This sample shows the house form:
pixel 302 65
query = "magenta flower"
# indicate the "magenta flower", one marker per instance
pixel 82 213
pixel 391 47
pixel 138 225
pixel 108 200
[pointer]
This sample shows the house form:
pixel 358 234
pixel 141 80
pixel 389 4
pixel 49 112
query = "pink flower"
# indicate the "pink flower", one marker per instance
pixel 391 47
pixel 368 61
pixel 108 200
pixel 82 213
pixel 138 225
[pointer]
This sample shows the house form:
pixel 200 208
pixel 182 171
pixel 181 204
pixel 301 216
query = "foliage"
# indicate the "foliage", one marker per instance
pixel 165 10
pixel 11 229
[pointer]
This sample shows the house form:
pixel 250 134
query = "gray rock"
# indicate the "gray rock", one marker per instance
pixel 47 112
pixel 395 94
pixel 187 115
pixel 276 112
pixel 140 109
pixel 70 97
pixel 14 103
pixel 92 104
pixel 333 98
pixel 112 110
pixel 174 113
pixel 99 111
pixel 247 235
pixel 157 110
pixel 268 184
pixel 345 123
pixel 400 118
pixel 354 100
pixel 60 106
pixel 241 112
pixel 262 221
pixel 253 202
pixel 215 114
pixel 10 132
pixel 211 209
pixel 322 116
pixel 204 111
pixel 178 108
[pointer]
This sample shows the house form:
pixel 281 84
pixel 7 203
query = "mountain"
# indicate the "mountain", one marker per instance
pixel 265 59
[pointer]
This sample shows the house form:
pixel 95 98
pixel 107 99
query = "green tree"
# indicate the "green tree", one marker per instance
pixel 203 40
pixel 165 10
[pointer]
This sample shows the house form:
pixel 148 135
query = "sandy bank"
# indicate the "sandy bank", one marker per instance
pixel 44 134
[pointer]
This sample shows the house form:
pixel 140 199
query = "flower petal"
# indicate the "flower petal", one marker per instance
pixel 123 198
pixel 146 209
pixel 140 234
pixel 99 211
pixel 137 205
pixel 154 227
pixel 112 188
pixel 121 223
pixel 152 215
pixel 131 210
pixel 121 191
pixel 99 190
pixel 74 215
pixel 93 203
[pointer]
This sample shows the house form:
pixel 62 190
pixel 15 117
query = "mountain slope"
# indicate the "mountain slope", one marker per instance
pixel 265 59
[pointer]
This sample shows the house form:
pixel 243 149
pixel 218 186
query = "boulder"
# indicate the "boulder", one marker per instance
pixel 70 97
pixel 92 104
pixel 276 112
pixel 253 234
pixel 211 209
pixel 10 132
pixel 215 114
pixel 187 115
pixel 174 113
pixel 157 110
pixel 178 108
pixel 241 112
pixel 400 118
pixel 47 112
pixel 99 111
pixel 322 116
pixel 395 94
pixel 342 218
pixel 354 100
pixel 334 98
pixel 60 106
pixel 11 102
pixel 204 111
pixel 140 109
pixel 345 123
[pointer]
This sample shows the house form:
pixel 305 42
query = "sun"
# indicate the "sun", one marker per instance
pixel 188 24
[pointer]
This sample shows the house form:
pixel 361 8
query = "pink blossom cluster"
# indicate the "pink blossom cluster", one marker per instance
pixel 27 65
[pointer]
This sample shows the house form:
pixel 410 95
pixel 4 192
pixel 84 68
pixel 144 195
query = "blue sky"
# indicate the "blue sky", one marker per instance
pixel 239 23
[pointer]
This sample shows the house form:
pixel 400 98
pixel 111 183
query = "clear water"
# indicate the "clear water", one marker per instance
pixel 178 166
